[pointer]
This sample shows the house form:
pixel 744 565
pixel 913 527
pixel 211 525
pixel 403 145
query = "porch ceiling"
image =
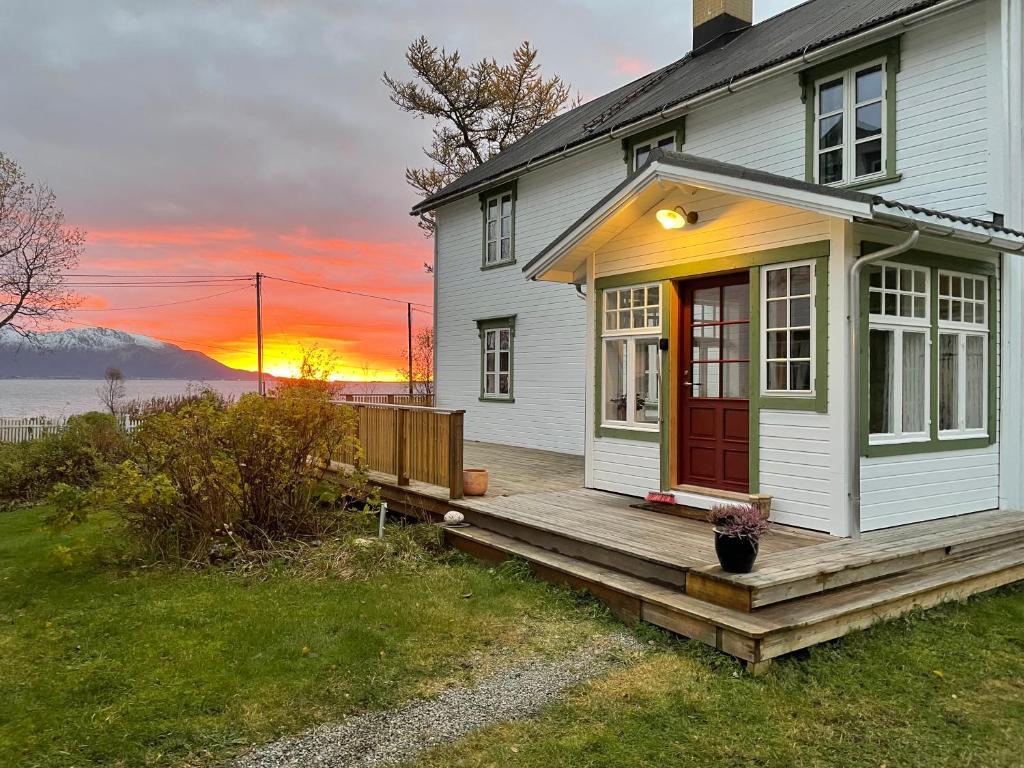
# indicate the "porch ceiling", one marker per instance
pixel 666 172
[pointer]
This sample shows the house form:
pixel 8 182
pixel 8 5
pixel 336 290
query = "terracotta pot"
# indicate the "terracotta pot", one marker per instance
pixel 735 554
pixel 474 482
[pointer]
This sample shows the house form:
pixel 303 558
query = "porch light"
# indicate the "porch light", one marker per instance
pixel 675 218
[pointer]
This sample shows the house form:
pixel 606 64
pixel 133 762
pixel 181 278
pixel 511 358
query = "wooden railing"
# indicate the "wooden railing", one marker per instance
pixel 426 400
pixel 411 442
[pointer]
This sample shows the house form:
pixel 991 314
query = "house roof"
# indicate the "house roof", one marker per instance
pixel 737 179
pixel 790 34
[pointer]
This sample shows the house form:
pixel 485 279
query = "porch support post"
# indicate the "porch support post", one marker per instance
pixel 590 371
pixel 841 255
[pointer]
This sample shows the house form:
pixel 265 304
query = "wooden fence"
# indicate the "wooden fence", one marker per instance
pixel 412 443
pixel 21 429
pixel 425 400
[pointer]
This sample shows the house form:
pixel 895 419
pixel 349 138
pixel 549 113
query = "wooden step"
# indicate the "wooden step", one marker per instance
pixel 834 565
pixel 770 632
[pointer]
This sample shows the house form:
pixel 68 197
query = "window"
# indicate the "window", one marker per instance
pixel 898 350
pixel 787 304
pixel 963 355
pixel 631 382
pixel 643 151
pixel 850 125
pixel 499 213
pixel 497 339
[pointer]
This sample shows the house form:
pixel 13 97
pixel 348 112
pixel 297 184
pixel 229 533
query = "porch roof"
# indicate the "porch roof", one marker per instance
pixel 635 195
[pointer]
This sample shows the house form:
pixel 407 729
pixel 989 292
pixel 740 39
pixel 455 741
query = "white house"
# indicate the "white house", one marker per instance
pixel 670 279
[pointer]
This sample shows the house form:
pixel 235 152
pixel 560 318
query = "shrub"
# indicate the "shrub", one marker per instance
pixel 77 456
pixel 194 393
pixel 739 521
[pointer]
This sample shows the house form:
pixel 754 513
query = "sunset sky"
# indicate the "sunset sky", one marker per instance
pixel 225 138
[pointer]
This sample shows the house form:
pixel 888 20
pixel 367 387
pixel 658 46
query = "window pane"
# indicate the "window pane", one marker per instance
pixel 920 308
pixel 506 206
pixel 736 301
pixel 869 157
pixel 611 321
pixel 875 302
pixel 489 362
pixel 777 314
pixel 830 97
pixel 615 380
pixel 648 381
pixel 776 283
pixel 638 318
pixel 869 120
pixel 625 319
pixel 503 383
pixel 490 339
pixel 914 394
pixel 653 294
pixel 777 373
pixel 490 384
pixel 800 312
pixel 639 297
pixel 800 376
pixel 505 252
pixel 492 230
pixel 880 378
pixel 611 300
pixel 503 362
pixel 735 379
pixel 919 281
pixel 706 344
pixel 624 298
pixel 492 252
pixel 976 394
pixel 869 84
pixel 800 281
pixel 503 337
pixel 642 153
pixel 830 131
pixel 830 166
pixel 706 381
pixel 875 277
pixel 777 345
pixel 706 305
pixel 949 354
pixel 891 277
pixel 800 343
pixel 890 304
pixel 506 226
pixel 669 142
pixel 736 341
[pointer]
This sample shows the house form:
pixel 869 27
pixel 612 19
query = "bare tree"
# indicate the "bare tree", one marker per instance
pixel 422 362
pixel 478 110
pixel 113 391
pixel 37 250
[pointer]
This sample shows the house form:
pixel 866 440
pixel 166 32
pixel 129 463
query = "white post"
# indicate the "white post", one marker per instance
pixel 383 516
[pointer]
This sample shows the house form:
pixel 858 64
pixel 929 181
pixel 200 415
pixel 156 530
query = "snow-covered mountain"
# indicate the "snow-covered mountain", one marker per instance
pixel 86 353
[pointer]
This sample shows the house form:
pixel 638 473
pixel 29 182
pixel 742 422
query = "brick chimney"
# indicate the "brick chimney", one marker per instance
pixel 714 18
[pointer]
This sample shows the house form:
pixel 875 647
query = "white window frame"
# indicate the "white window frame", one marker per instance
pixel 797 394
pixel 499 238
pixel 651 145
pixel 496 354
pixel 962 330
pixel 849 113
pixel 898 324
pixel 631 336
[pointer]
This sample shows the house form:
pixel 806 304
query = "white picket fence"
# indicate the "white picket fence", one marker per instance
pixel 20 429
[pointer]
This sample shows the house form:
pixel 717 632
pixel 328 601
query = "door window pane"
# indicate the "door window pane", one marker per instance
pixel 949 381
pixel 880 378
pixel 706 305
pixel 915 395
pixel 736 380
pixel 736 302
pixel 706 381
pixel 736 344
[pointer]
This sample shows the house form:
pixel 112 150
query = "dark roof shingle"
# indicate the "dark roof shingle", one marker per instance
pixel 799 30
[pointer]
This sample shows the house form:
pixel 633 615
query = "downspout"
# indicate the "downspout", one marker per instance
pixel 853 318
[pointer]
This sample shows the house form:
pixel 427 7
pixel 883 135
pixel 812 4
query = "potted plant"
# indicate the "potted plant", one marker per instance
pixel 738 530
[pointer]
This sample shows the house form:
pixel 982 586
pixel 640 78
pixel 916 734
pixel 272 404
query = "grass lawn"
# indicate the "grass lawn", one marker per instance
pixel 105 665
pixel 943 688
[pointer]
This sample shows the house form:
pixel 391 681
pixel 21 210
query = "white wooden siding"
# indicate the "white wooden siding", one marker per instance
pixel 631 467
pixel 728 226
pixel 907 489
pixel 549 373
pixel 796 468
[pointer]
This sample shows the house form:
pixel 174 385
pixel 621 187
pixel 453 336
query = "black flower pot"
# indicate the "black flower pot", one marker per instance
pixel 735 554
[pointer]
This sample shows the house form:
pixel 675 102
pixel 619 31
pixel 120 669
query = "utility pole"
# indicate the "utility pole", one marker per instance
pixel 259 333
pixel 408 316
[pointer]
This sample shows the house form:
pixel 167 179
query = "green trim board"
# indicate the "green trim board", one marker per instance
pixel 629 142
pixel 489 194
pixel 754 372
pixel 818 402
pixel 890 51
pixel 491 323
pixel 934 263
pixel 670 314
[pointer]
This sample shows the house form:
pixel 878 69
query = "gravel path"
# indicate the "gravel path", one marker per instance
pixel 391 737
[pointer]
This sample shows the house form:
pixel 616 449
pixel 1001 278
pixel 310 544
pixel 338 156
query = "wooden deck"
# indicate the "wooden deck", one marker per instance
pixel 807 587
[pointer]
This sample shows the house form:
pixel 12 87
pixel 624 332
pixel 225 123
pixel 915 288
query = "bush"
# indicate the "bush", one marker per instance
pixel 214 477
pixel 76 456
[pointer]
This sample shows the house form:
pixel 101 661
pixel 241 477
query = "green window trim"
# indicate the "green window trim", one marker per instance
pixel 485 196
pixel 817 402
pixel 495 323
pixel 886 49
pixel 631 142
pixel 934 263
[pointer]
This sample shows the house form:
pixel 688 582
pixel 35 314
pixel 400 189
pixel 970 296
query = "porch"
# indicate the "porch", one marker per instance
pixel 661 568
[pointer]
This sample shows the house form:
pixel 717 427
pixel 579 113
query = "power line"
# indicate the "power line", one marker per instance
pixel 341 290
pixel 147 275
pixel 166 304
pixel 157 283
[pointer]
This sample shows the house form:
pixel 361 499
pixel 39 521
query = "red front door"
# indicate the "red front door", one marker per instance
pixel 714 438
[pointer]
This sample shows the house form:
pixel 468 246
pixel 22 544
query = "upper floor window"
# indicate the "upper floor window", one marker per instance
pixel 632 356
pixel 637 149
pixel 499 212
pixel 850 125
pixel 643 151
